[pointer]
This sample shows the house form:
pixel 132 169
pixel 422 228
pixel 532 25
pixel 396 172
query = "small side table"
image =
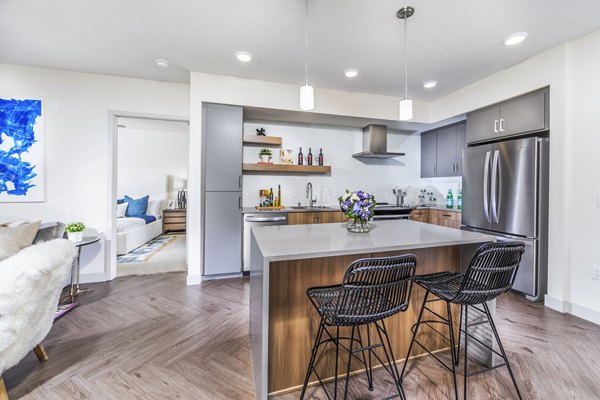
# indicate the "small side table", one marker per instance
pixel 174 220
pixel 75 289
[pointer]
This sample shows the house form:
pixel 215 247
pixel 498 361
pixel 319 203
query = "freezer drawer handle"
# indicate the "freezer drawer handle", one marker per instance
pixel 486 192
pixel 265 219
pixel 494 184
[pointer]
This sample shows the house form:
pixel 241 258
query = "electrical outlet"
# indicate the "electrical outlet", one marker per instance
pixel 596 272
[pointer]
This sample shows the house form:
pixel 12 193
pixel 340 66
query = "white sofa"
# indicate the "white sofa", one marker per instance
pixel 30 285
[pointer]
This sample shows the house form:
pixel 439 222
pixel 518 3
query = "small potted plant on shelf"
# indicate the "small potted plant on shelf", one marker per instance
pixel 261 132
pixel 359 208
pixel 75 231
pixel 265 156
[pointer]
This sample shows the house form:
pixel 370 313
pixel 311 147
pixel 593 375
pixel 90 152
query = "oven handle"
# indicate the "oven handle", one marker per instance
pixel 384 217
pixel 265 219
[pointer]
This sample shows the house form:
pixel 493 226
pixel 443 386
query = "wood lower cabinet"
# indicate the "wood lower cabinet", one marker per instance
pixel 322 217
pixel 420 216
pixel 174 221
pixel 447 218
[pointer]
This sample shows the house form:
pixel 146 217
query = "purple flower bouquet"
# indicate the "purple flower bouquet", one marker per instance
pixel 359 209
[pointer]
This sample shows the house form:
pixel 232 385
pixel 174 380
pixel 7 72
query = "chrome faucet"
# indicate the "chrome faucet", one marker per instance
pixel 400 194
pixel 309 195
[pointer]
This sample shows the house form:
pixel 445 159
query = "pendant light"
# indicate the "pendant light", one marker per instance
pixel 406 106
pixel 307 92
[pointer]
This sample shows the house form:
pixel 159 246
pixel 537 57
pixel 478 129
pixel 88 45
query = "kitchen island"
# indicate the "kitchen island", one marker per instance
pixel 287 260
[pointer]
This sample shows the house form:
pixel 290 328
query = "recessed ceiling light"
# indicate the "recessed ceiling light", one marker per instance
pixel 351 72
pixel 243 56
pixel 429 84
pixel 515 38
pixel 162 64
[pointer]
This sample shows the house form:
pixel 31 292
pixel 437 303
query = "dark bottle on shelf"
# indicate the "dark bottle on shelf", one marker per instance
pixel 300 157
pixel 320 157
pixel 309 158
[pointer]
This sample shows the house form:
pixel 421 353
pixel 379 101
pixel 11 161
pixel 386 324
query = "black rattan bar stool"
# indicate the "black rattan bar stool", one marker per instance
pixel 372 290
pixel 491 272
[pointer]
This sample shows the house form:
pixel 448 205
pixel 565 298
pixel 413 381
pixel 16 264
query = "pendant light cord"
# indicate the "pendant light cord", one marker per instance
pixel 405 62
pixel 306 42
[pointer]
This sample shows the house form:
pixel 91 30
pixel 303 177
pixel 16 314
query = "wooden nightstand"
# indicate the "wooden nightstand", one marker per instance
pixel 174 220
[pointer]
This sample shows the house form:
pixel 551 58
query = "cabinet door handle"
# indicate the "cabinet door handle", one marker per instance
pixel 240 181
pixel 495 126
pixel 434 170
pixel 501 124
pixel 446 215
pixel 240 202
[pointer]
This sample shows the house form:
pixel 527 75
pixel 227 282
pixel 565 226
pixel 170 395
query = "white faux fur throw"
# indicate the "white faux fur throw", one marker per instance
pixel 30 285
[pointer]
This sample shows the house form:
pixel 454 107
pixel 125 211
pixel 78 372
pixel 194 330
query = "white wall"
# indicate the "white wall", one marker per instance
pixel 75 108
pixel 376 176
pixel 162 150
pixel 571 70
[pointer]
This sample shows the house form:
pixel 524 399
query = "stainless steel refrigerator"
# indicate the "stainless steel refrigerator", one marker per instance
pixel 505 193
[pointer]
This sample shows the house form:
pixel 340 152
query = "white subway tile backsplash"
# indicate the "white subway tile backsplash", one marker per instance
pixel 376 176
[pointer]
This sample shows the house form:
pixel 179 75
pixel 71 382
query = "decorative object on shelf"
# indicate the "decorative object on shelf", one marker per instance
pixel 359 208
pixel 261 132
pixel 75 231
pixel 22 155
pixel 171 205
pixel 300 157
pixel 265 155
pixel 286 156
pixel 406 106
pixel 320 157
pixel 307 92
pixel 181 187
pixel 309 157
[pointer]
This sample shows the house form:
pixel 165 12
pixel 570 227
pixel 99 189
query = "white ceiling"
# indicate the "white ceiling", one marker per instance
pixel 454 42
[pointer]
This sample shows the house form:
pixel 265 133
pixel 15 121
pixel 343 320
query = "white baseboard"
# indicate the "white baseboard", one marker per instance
pixel 556 304
pixel 570 308
pixel 586 313
pixel 92 278
pixel 194 279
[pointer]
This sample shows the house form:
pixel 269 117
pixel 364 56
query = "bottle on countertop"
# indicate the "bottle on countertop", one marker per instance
pixel 459 200
pixel 321 157
pixel 278 196
pixel 271 200
pixel 309 157
pixel 300 157
pixel 449 199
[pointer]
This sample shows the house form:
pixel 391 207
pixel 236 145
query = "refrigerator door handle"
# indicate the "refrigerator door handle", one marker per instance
pixel 486 192
pixel 494 186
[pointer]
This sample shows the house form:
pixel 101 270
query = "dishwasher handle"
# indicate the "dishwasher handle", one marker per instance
pixel 265 219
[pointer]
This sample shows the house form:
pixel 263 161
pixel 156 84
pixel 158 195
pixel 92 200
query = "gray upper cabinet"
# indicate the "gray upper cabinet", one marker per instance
pixel 428 154
pixel 523 114
pixel 461 144
pixel 441 151
pixel 223 128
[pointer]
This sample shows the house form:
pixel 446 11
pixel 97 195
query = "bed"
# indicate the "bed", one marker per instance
pixel 132 232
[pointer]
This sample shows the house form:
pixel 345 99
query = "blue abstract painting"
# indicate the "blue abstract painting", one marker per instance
pixel 21 151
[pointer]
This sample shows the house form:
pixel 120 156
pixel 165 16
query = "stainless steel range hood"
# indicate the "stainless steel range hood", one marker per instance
pixel 375 143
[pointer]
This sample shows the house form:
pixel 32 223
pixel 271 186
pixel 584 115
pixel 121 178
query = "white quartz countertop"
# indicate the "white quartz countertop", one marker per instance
pixel 292 242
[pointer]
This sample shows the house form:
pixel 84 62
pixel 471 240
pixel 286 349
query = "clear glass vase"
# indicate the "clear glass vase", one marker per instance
pixel 358 226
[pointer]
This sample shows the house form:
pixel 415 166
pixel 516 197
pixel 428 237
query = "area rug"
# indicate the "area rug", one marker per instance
pixel 148 250
pixel 63 309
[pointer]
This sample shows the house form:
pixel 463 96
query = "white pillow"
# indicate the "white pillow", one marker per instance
pixel 154 208
pixel 121 209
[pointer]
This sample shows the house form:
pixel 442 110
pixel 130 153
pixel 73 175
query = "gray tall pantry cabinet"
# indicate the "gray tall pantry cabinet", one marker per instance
pixel 222 128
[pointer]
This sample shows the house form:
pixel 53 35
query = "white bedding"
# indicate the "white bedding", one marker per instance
pixel 125 224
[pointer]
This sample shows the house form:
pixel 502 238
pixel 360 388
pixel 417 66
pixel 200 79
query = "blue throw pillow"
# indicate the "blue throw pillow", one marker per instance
pixel 120 201
pixel 136 206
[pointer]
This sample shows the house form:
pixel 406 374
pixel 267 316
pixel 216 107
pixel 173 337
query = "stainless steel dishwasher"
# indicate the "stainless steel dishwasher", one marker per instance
pixel 259 219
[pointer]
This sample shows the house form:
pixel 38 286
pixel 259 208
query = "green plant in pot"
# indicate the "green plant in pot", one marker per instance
pixel 75 231
pixel 265 155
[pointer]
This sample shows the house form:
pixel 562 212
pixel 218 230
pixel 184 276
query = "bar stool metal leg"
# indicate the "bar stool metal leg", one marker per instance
pixel 512 376
pixel 452 347
pixel 369 365
pixel 412 342
pixel 457 359
pixel 312 358
pixel 466 342
pixel 389 355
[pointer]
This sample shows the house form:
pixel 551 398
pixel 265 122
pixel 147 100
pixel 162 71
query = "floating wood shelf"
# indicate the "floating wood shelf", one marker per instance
pixel 262 140
pixel 310 169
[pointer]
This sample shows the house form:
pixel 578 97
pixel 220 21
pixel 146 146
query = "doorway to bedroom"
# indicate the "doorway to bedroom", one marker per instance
pixel 152 172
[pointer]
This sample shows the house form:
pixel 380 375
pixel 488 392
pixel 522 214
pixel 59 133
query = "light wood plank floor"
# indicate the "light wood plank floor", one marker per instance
pixel 152 337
